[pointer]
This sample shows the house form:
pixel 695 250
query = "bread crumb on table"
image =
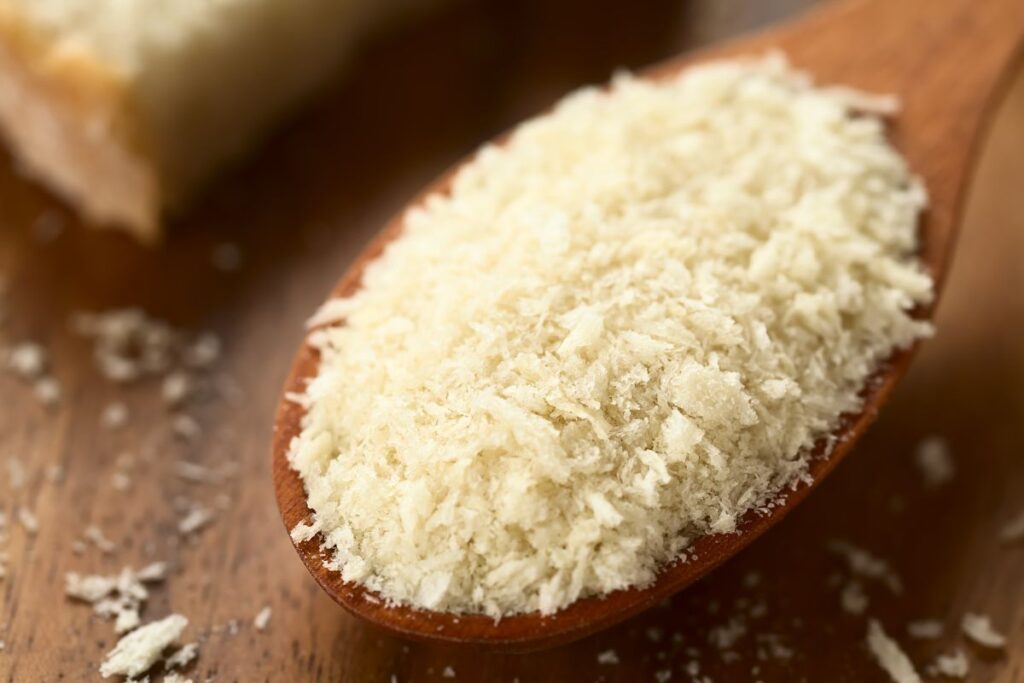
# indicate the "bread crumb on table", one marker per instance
pixel 925 628
pixel 953 665
pixel 935 460
pixel 979 628
pixel 890 656
pixel 28 521
pixel 138 651
pixel 183 656
pixel 198 518
pixel 862 563
pixel 608 657
pixel 262 618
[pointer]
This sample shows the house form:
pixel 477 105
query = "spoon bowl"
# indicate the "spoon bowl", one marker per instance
pixel 947 61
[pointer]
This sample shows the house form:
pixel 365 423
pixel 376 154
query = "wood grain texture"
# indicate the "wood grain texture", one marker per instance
pixel 936 131
pixel 419 101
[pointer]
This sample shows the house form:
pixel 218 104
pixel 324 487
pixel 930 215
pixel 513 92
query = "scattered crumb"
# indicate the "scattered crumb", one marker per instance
pixel 978 628
pixel 608 657
pixel 204 351
pixel 724 637
pixel 15 473
pixel 120 481
pixel 96 537
pixel 55 474
pixel 174 677
pixel 195 520
pixel 183 656
pixel 925 628
pixel 176 388
pixel 136 652
pixel 185 427
pixel 448 672
pixel 853 598
pixel 195 473
pixel 27 360
pixel 262 619
pixel 953 665
pixel 114 416
pixel 118 597
pixel 863 563
pixel 889 655
pixel 47 390
pixel 28 520
pixel 934 459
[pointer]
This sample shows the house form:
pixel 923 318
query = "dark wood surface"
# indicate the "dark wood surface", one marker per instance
pixel 936 130
pixel 300 211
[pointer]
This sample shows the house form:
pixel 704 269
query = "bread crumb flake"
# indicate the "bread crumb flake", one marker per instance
pixel 28 521
pixel 183 656
pixel 608 658
pixel 262 618
pixel 935 461
pixel 138 651
pixel 979 628
pixel 954 665
pixel 889 655
pixel 925 629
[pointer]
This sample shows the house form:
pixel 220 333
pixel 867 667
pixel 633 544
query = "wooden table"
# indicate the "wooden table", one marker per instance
pixel 299 210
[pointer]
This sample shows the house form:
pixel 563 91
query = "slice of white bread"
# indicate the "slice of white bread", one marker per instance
pixel 125 107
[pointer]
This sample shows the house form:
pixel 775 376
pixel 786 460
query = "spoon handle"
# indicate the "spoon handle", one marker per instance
pixel 948 60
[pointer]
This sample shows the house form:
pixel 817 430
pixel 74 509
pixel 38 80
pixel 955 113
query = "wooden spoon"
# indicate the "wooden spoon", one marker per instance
pixel 946 59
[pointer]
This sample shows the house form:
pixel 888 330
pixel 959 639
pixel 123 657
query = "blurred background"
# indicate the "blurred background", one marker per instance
pixel 264 246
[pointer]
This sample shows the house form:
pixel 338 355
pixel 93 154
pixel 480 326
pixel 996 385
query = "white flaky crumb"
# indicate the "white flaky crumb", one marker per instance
pixel 196 473
pixel 853 598
pixel 118 597
pixel 608 658
pixel 925 628
pixel 448 672
pixel 28 521
pixel 175 677
pixel 262 618
pixel 27 360
pixel 204 351
pixel 862 563
pixel 176 388
pixel 196 519
pixel 890 656
pixel 935 460
pixel 953 665
pixel 623 328
pixel 47 390
pixel 16 474
pixel 114 415
pixel 185 427
pixel 94 535
pixel 183 656
pixel 979 628
pixel 136 652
